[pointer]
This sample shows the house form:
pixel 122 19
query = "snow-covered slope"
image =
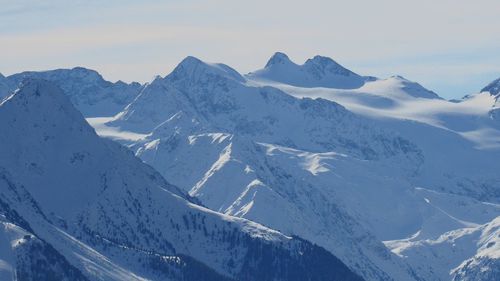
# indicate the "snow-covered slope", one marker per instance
pixel 464 133
pixel 485 264
pixel 460 144
pixel 114 218
pixel 23 255
pixel 211 133
pixel 207 98
pixel 358 165
pixel 315 72
pixel 307 166
pixel 88 91
pixel 451 253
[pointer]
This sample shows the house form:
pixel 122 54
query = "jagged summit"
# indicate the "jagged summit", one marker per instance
pixel 86 88
pixel 322 60
pixel 196 70
pixel 319 71
pixel 77 73
pixel 322 66
pixel 493 88
pixel 278 58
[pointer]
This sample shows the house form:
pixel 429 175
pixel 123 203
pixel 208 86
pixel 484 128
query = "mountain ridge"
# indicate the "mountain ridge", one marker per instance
pixel 318 71
pixel 380 176
pixel 125 221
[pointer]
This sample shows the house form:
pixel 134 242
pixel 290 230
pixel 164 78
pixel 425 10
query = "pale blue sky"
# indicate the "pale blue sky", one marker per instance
pixel 449 46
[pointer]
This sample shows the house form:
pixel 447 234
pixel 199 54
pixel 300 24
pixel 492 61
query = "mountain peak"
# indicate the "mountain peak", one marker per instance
pixel 195 69
pixel 493 88
pixel 322 60
pixel 319 71
pixel 278 58
pixel 191 61
pixel 320 66
pixel 412 88
pixel 400 78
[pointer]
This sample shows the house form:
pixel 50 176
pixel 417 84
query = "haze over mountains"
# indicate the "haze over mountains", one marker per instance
pixel 390 181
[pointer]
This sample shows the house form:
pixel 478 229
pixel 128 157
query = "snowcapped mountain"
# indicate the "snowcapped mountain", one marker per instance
pixel 297 159
pixel 452 254
pixel 92 210
pixel 316 72
pixel 217 98
pixel 395 181
pixel 493 88
pixel 202 131
pixel 88 91
pixel 419 115
pixel 459 142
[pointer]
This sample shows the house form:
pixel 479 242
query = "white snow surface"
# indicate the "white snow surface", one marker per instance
pixel 395 181
pixel 316 72
pixel 406 167
pixel 104 210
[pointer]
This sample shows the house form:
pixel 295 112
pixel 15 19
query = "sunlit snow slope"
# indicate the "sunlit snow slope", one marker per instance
pixel 75 206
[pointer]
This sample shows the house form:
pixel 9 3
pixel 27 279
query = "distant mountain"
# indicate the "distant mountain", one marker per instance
pixel 211 133
pixel 394 181
pixel 405 86
pixel 452 252
pixel 316 72
pixel 295 160
pixel 88 91
pixel 216 98
pixel 493 88
pixel 100 213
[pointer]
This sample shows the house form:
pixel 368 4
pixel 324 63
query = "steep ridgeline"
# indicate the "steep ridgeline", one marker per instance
pixel 88 91
pixel 215 98
pixel 91 210
pixel 315 72
pixel 291 164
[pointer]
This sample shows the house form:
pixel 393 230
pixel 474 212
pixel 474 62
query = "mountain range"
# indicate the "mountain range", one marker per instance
pixel 290 172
